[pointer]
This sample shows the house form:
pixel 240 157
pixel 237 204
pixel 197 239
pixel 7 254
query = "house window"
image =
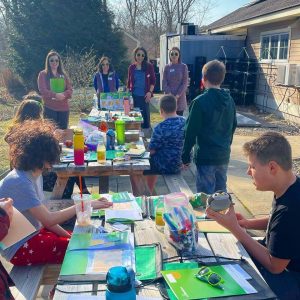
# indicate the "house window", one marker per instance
pixel 274 46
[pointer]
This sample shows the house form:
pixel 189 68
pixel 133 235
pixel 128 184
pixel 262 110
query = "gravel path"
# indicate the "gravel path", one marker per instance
pixel 270 123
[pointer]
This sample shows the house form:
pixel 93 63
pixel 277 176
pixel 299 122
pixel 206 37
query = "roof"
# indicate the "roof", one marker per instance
pixel 252 10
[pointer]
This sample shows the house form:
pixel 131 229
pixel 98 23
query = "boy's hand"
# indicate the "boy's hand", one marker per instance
pixel 7 205
pixel 243 222
pixel 148 97
pixel 228 219
pixel 101 203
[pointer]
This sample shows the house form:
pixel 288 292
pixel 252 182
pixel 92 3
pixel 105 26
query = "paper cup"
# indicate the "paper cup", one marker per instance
pixel 83 208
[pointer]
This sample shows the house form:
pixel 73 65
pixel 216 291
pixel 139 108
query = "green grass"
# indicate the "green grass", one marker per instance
pixel 6 111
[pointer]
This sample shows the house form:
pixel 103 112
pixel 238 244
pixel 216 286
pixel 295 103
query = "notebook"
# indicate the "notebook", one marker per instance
pixel 19 228
pixel 185 285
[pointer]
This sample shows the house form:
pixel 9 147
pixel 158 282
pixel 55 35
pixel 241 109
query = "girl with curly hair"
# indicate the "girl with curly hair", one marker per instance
pixel 34 148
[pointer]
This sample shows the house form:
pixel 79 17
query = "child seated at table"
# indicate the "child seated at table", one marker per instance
pixel 166 142
pixel 6 213
pixel 277 256
pixel 34 148
pixel 31 108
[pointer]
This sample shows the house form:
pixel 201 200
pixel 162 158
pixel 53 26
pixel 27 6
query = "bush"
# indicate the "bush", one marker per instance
pixel 13 84
pixel 81 68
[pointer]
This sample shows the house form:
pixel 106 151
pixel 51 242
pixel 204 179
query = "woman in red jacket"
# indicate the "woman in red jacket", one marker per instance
pixel 56 90
pixel 141 82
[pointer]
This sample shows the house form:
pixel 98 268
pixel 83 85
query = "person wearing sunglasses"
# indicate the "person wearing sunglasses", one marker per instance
pixel 56 90
pixel 106 79
pixel 175 79
pixel 141 82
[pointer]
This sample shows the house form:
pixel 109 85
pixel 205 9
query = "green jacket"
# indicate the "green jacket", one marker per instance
pixel 210 125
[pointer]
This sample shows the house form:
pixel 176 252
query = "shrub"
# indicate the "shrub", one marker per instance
pixel 13 84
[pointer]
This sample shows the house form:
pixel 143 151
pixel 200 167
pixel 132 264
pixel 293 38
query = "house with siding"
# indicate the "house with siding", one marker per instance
pixel 272 30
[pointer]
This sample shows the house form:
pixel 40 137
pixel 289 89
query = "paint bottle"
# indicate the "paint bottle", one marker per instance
pixel 78 144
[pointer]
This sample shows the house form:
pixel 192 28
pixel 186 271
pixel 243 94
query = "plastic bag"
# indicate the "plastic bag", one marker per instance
pixel 180 229
pixel 94 138
pixel 86 128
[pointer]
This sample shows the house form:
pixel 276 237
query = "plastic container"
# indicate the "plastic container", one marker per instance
pixel 101 153
pixel 126 105
pixel 120 284
pixel 120 131
pixel 110 139
pixel 96 102
pixel 159 211
pixel 78 144
pixel 83 208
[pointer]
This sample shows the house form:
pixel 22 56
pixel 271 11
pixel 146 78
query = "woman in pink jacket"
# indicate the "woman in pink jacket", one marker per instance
pixel 56 90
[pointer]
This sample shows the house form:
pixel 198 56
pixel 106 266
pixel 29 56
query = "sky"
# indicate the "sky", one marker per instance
pixel 223 8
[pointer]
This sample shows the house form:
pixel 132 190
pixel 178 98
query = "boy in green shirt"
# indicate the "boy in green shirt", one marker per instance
pixel 210 127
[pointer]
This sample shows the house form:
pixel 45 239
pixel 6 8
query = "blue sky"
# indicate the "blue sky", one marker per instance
pixel 223 8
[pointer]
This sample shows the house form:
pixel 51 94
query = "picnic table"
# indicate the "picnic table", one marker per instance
pixel 133 167
pixel 132 122
pixel 212 248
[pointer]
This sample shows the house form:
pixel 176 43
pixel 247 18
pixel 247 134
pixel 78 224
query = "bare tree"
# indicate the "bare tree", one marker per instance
pixel 80 67
pixel 148 19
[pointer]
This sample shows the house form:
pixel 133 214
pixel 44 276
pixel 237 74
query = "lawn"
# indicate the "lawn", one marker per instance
pixel 7 110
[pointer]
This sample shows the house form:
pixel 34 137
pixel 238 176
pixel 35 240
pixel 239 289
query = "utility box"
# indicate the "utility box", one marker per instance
pixel 193 46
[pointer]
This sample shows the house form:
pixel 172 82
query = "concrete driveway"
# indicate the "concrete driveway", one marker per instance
pixel 240 183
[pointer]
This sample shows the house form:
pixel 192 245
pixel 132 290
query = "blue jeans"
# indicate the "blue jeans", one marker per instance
pixel 211 178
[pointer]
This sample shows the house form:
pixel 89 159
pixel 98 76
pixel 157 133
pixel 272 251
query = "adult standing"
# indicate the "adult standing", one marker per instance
pixel 56 90
pixel 175 79
pixel 141 82
pixel 106 79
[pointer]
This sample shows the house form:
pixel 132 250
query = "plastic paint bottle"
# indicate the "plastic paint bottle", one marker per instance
pixel 78 144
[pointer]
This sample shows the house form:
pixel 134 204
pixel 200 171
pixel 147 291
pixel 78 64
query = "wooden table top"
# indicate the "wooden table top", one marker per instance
pixel 110 167
pixel 213 245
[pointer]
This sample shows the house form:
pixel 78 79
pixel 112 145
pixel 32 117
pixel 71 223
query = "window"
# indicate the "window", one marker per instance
pixel 274 46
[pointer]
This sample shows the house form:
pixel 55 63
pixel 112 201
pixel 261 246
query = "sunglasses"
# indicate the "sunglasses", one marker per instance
pixel 205 274
pixel 53 60
pixel 174 54
pixel 105 64
pixel 140 54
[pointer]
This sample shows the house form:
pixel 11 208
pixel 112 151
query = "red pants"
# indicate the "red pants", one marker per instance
pixel 44 248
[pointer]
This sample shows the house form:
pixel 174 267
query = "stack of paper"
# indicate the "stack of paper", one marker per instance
pixel 137 153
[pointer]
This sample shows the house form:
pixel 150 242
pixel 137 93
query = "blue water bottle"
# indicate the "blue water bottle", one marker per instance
pixel 110 139
pixel 120 284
